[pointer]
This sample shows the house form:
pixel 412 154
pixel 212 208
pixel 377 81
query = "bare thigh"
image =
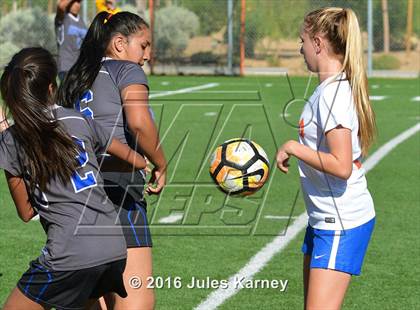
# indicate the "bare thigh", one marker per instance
pixel 139 264
pixel 306 269
pixel 17 301
pixel 326 289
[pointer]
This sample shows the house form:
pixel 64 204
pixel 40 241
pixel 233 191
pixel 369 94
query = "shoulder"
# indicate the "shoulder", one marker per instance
pixel 66 113
pixel 337 91
pixel 124 66
pixel 126 73
pixel 8 143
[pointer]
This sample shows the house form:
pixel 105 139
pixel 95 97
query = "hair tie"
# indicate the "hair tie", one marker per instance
pixel 108 18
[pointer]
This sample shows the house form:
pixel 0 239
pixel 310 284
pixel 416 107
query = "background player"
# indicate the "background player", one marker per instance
pixel 109 6
pixel 70 32
pixel 337 127
pixel 108 84
pixel 49 157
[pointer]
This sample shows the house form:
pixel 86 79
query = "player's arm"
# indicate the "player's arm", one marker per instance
pixel 3 121
pixel 61 9
pixel 124 153
pixel 337 163
pixel 20 197
pixel 142 126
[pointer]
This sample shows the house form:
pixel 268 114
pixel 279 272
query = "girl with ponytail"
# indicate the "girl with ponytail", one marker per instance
pixel 49 158
pixel 336 129
pixel 107 83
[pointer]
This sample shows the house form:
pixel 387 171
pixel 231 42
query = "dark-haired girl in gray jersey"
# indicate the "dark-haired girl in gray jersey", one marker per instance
pixel 108 85
pixel 49 157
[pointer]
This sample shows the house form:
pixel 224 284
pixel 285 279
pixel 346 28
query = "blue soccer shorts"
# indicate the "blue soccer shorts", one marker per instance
pixel 341 250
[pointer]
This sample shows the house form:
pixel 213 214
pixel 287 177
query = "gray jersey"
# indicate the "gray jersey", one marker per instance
pixel 77 216
pixel 104 103
pixel 70 33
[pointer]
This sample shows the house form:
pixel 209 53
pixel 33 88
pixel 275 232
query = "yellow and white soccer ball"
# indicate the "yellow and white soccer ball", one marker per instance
pixel 239 166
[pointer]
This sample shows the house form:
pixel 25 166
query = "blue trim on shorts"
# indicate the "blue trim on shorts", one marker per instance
pixel 44 288
pixel 341 250
pixel 132 225
pixel 29 282
pixel 144 221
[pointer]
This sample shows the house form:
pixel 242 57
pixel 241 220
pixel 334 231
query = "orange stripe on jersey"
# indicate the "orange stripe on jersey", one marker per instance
pixel 357 163
pixel 301 128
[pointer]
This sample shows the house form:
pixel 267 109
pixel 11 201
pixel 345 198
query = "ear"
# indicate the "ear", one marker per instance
pixel 118 43
pixel 51 88
pixel 317 44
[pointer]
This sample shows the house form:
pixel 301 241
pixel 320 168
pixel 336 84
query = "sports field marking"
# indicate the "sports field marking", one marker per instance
pixel 182 90
pixel 377 98
pixel 172 218
pixel 417 98
pixel 268 85
pixel 210 114
pixel 284 115
pixel 263 257
pixel 375 86
pixel 279 217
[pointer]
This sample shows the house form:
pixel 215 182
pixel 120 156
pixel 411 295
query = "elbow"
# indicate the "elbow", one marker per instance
pixel 27 216
pixel 345 173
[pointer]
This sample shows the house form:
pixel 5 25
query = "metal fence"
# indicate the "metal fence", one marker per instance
pixel 231 36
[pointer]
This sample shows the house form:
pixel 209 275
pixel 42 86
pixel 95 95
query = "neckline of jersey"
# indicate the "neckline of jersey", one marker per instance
pixel 75 18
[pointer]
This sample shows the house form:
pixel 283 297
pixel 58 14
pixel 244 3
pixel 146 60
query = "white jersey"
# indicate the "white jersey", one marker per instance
pixel 333 203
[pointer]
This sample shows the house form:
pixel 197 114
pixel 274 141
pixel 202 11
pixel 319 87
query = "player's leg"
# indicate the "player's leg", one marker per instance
pixel 139 264
pixel 306 269
pixel 326 289
pixel 17 301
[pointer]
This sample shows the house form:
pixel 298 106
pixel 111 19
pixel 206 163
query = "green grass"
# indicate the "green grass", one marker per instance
pixel 218 237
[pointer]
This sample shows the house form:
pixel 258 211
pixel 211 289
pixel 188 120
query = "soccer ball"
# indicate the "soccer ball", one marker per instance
pixel 239 166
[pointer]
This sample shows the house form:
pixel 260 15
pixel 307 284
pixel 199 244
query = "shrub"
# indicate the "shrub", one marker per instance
pixel 7 50
pixel 29 27
pixel 203 58
pixel 174 26
pixel 386 62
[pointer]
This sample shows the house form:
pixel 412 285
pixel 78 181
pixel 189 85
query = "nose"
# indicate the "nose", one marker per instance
pixel 146 55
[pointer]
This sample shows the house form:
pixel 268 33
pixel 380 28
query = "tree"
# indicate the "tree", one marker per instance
pixel 385 19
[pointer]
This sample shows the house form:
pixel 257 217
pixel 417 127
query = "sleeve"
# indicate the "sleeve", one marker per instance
pixel 129 74
pixel 100 137
pixel 9 159
pixel 335 107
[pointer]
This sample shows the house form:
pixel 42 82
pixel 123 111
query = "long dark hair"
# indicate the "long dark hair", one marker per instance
pixel 26 90
pixel 83 73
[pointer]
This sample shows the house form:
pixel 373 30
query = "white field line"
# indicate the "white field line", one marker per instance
pixel 377 98
pixel 279 217
pixel 172 218
pixel 183 90
pixel 263 257
pixel 417 98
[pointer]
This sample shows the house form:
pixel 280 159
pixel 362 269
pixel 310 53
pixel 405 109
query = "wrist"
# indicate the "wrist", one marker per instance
pixel 290 147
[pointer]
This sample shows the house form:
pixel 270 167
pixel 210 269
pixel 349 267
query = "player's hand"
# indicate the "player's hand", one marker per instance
pixel 282 158
pixel 157 182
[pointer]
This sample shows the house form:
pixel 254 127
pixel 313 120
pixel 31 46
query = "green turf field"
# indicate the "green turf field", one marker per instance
pixel 215 236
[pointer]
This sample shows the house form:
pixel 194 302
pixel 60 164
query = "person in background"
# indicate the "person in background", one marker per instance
pixel 70 32
pixel 109 6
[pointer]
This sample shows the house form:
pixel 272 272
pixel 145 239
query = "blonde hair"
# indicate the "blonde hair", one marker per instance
pixel 341 29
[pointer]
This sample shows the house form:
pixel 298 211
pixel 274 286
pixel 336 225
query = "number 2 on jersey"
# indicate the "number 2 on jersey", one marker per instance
pixel 88 180
pixel 86 98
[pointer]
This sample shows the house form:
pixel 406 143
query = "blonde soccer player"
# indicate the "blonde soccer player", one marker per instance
pixel 336 128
